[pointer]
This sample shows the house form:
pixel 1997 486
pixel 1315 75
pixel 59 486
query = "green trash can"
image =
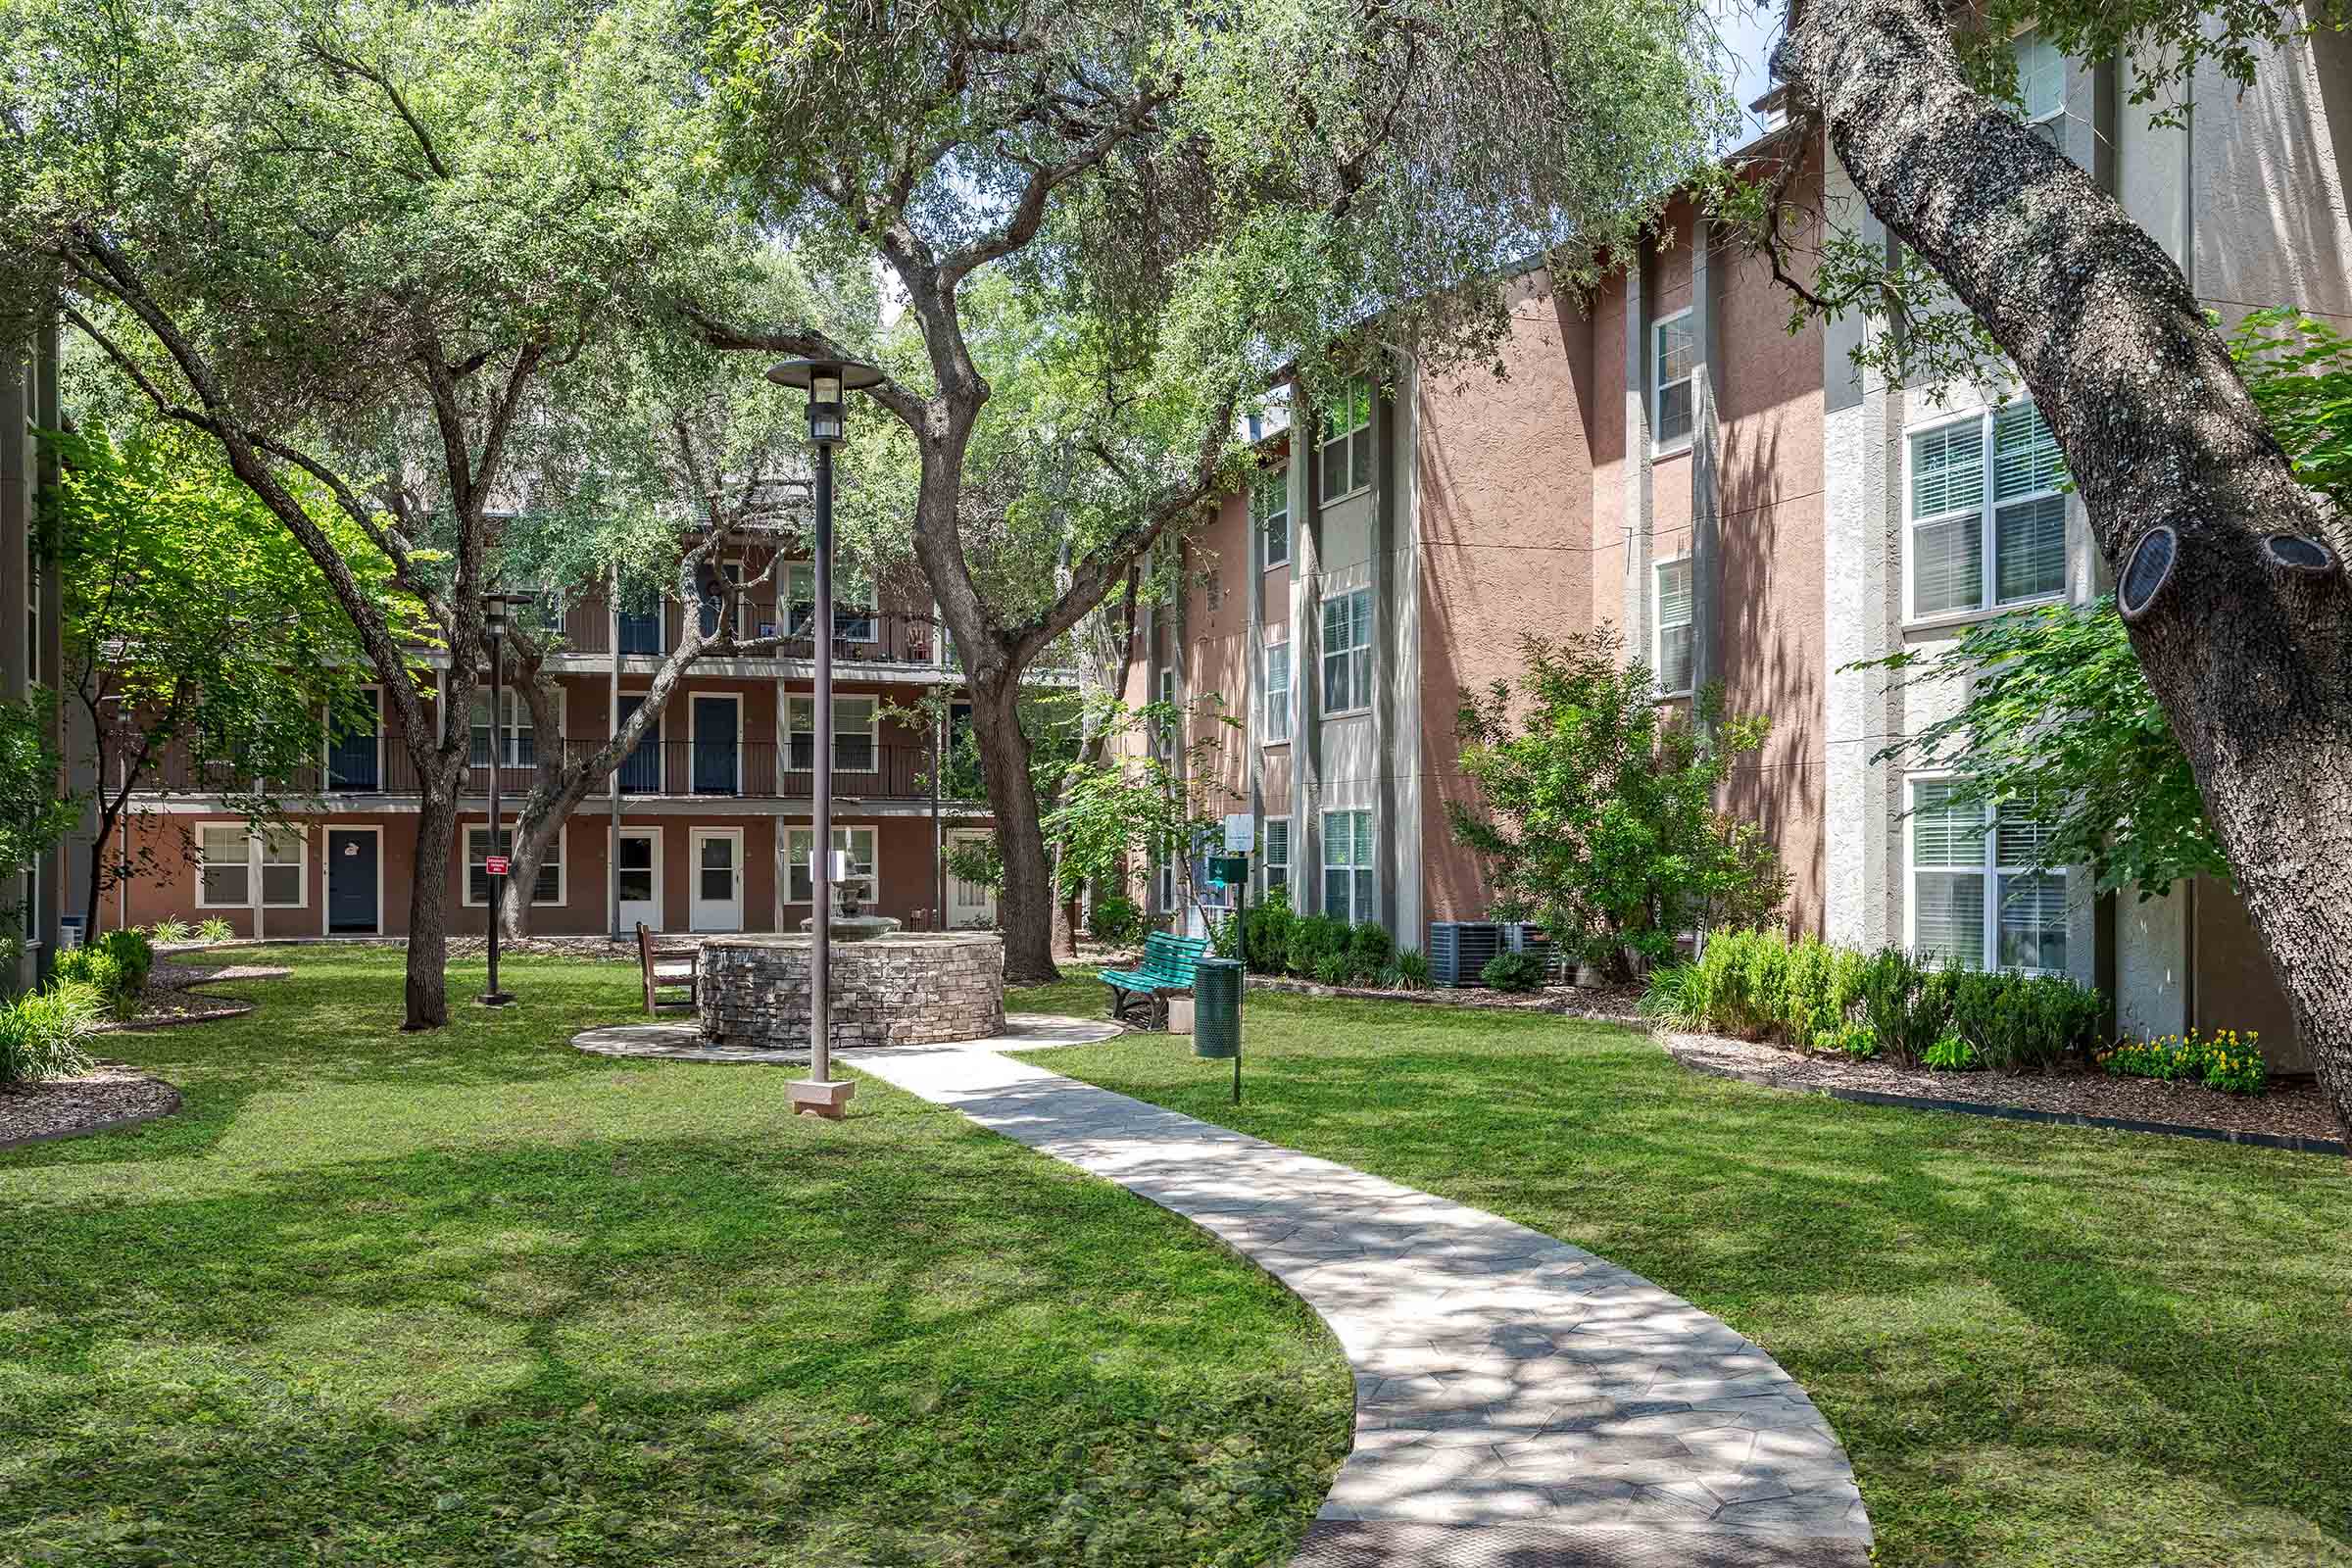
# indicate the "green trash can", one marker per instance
pixel 1217 1008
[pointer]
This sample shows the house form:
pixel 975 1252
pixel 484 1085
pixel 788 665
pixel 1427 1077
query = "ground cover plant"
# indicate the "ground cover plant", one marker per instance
pixel 2040 1345
pixel 477 1299
pixel 2223 1059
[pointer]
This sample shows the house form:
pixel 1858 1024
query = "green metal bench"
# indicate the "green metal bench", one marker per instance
pixel 1166 971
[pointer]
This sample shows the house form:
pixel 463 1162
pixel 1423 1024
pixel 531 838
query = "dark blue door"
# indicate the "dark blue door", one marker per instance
pixel 641 630
pixel 641 769
pixel 351 754
pixel 714 745
pixel 350 882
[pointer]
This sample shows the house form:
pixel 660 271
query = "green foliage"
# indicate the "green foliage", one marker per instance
pixel 1333 969
pixel 42 1034
pixel 170 932
pixel 1597 811
pixel 2225 1059
pixel 215 929
pixel 1907 1007
pixel 1743 978
pixel 1268 938
pixel 34 817
pixel 1854 1038
pixel 1820 987
pixel 1370 950
pixel 1513 971
pixel 1313 939
pixel 1675 997
pixel 1410 971
pixel 1950 1053
pixel 115 969
pixel 1115 921
pixel 1141 808
pixel 1225 936
pixel 980 861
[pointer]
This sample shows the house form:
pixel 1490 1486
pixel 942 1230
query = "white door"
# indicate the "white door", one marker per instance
pixel 717 879
pixel 640 878
pixel 970 904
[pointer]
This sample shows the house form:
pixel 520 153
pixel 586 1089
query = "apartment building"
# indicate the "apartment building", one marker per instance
pixel 30 903
pixel 710 817
pixel 1665 457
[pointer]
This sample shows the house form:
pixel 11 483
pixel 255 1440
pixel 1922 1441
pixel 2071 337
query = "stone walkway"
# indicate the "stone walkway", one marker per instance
pixel 681 1040
pixel 1520 1402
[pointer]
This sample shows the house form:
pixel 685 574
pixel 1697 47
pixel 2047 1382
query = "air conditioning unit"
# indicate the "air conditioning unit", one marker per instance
pixel 1522 937
pixel 1458 950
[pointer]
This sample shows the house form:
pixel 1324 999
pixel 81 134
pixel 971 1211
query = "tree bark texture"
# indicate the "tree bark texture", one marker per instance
pixel 426 993
pixel 1025 902
pixel 2251 657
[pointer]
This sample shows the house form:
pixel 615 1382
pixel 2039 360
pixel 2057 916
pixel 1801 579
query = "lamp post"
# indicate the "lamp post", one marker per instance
pixel 495 622
pixel 828 382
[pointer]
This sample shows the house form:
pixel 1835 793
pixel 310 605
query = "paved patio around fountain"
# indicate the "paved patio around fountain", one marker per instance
pixel 1520 1402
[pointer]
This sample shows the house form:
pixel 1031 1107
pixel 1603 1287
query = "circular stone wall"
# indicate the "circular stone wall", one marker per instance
pixel 911 989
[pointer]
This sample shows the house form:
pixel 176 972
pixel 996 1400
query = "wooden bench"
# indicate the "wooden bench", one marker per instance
pixel 667 969
pixel 1166 971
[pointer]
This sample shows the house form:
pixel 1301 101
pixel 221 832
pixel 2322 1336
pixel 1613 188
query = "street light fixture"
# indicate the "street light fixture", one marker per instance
pixel 828 382
pixel 494 622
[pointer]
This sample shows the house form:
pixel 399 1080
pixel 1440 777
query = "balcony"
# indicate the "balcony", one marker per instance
pixel 860 636
pixel 720 769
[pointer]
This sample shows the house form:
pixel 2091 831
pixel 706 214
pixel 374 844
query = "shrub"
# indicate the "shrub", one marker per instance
pixel 1854 1039
pixel 41 1035
pixel 1266 938
pixel 1331 969
pixel 1370 948
pixel 1676 996
pixel 1819 989
pixel 114 968
pixel 1410 971
pixel 216 929
pixel 2024 1022
pixel 170 931
pixel 134 953
pixel 1513 971
pixel 1314 938
pixel 1225 936
pixel 2225 1059
pixel 1908 1009
pixel 1951 1054
pixel 1115 921
pixel 1745 974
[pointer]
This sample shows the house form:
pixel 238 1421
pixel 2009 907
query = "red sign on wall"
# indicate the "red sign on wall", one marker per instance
pixel 496 865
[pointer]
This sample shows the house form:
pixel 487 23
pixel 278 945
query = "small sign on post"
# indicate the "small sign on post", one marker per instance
pixel 1241 833
pixel 495 865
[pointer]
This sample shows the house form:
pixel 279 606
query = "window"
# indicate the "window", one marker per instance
pixel 354 747
pixel 2041 85
pixel 1165 885
pixel 520 745
pixel 640 773
pixel 713 598
pixel 1278 692
pixel 1966 534
pixel 1270 515
pixel 1673 611
pixel 547 888
pixel 853 619
pixel 641 626
pixel 1348 652
pixel 1974 889
pixel 230 859
pixel 1345 454
pixel 859 842
pixel 1276 858
pixel 1348 871
pixel 855 723
pixel 1673 355
pixel 1163 734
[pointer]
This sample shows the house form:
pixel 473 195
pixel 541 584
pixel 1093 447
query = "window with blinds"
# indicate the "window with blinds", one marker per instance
pixel 547 887
pixel 1270 513
pixel 1277 857
pixel 2041 85
pixel 1672 617
pixel 1350 889
pixel 1979 896
pixel 1674 357
pixel 1966 533
pixel 1345 453
pixel 1278 692
pixel 1348 652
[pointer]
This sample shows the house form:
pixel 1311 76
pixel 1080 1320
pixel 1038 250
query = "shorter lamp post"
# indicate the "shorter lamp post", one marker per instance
pixel 495 868
pixel 828 382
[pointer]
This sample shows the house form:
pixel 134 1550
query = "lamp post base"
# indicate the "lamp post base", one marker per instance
pixel 496 999
pixel 810 1096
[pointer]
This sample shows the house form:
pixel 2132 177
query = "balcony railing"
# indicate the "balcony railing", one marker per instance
pixel 715 768
pixel 858 636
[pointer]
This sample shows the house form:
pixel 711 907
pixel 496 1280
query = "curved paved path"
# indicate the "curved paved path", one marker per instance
pixel 1519 1402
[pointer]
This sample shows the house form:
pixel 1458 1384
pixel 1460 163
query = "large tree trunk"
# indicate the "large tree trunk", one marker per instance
pixel 2251 657
pixel 427 995
pixel 1025 903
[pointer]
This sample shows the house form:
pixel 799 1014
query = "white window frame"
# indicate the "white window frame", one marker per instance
pixel 1357 654
pixel 1988 867
pixel 556 846
pixel 517 720
pixel 1355 868
pixel 1661 444
pixel 2019 41
pixel 798 572
pixel 799 841
pixel 1165 885
pixel 253 865
pixel 1168 691
pixel 1267 864
pixel 804 705
pixel 1262 516
pixel 1335 438
pixel 1988 507
pixel 612 899
pixel 734 572
pixel 1659 627
pixel 1282 700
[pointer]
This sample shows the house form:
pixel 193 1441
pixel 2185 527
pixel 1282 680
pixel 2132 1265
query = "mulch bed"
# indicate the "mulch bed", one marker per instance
pixel 172 996
pixel 2293 1113
pixel 1607 1004
pixel 110 1095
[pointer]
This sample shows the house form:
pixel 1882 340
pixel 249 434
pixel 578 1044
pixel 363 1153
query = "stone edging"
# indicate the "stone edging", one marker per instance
pixel 2027 1114
pixel 1440 997
pixel 113 1124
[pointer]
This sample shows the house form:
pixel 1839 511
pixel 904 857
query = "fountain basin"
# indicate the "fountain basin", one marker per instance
pixel 902 988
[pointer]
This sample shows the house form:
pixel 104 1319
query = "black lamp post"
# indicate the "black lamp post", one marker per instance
pixel 827 383
pixel 494 620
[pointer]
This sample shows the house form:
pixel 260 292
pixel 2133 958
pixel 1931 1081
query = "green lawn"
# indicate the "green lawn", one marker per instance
pixel 2040 1345
pixel 474 1299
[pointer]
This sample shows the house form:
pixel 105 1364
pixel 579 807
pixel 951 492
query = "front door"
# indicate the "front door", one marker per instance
pixel 717 879
pixel 640 879
pixel 351 881
pixel 714 751
pixel 970 904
